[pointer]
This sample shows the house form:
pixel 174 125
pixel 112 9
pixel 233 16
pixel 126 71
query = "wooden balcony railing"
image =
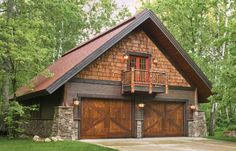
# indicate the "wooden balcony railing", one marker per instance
pixel 145 78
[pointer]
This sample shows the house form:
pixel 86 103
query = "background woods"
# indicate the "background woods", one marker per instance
pixel 206 30
pixel 33 34
pixel 36 33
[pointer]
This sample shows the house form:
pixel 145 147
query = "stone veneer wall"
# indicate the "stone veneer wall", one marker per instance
pixel 230 133
pixel 40 127
pixel 139 117
pixel 76 129
pixel 66 127
pixel 111 64
pixel 63 123
pixel 197 127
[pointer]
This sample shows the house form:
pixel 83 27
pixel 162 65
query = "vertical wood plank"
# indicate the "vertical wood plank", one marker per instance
pixel 65 98
pixel 196 98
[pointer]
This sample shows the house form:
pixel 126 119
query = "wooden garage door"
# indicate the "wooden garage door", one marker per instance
pixel 105 118
pixel 163 119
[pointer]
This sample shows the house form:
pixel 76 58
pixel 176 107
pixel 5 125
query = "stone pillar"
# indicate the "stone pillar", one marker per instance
pixel 63 122
pixel 139 122
pixel 139 130
pixel 197 127
pixel 75 130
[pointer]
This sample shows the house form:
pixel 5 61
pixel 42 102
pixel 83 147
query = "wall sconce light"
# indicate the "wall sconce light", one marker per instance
pixel 76 101
pixel 155 61
pixel 192 107
pixel 126 56
pixel 141 105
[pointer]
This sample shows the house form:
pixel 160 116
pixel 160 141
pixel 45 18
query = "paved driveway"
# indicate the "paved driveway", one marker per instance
pixel 165 144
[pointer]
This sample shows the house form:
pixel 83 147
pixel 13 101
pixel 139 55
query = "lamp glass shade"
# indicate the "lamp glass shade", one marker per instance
pixel 76 102
pixel 141 105
pixel 126 57
pixel 155 61
pixel 193 107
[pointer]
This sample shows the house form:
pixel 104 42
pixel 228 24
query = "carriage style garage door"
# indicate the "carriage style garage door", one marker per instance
pixel 163 119
pixel 104 118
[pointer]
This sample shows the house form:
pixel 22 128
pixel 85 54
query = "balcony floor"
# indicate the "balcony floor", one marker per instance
pixel 144 89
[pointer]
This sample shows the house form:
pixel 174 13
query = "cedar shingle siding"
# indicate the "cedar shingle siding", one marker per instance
pixel 110 65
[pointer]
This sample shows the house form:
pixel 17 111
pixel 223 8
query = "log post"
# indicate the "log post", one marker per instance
pixel 166 85
pixel 150 82
pixel 196 98
pixel 122 81
pixel 132 80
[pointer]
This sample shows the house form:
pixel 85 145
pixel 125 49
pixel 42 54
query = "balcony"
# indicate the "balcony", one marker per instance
pixel 144 81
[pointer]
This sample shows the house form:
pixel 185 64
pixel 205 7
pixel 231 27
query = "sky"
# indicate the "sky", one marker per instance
pixel 131 4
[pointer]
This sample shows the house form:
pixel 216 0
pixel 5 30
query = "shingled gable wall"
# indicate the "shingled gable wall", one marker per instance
pixel 110 65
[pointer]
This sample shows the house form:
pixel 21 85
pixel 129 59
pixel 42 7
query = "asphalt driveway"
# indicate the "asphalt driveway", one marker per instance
pixel 165 144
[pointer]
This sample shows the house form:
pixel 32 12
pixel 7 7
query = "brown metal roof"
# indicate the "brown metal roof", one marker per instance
pixel 72 58
pixel 79 57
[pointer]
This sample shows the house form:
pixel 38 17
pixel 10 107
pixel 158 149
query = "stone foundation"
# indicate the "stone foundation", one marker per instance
pixel 66 127
pixel 197 127
pixel 139 125
pixel 139 117
pixel 230 133
pixel 63 123
pixel 75 130
pixel 40 127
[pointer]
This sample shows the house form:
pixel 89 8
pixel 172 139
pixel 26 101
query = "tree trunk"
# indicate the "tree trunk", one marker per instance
pixel 5 92
pixel 6 63
pixel 227 114
pixel 212 119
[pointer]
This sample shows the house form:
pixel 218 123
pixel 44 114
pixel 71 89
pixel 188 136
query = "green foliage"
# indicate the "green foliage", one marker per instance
pixel 16 117
pixel 36 33
pixel 206 30
pixel 231 128
pixel 39 32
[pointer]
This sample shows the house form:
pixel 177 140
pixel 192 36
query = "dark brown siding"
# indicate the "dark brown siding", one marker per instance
pixel 46 104
pixel 112 90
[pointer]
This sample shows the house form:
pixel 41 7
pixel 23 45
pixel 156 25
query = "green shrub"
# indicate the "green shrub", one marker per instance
pixel 222 122
pixel 220 129
pixel 231 128
pixel 16 116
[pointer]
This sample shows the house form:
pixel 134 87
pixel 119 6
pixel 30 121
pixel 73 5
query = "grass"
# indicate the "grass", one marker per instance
pixel 29 145
pixel 220 136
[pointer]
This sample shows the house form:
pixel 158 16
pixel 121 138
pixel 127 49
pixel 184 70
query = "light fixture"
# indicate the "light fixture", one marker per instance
pixel 76 101
pixel 126 56
pixel 193 107
pixel 141 105
pixel 155 60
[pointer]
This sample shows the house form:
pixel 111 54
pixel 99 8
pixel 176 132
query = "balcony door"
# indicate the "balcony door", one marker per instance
pixel 141 68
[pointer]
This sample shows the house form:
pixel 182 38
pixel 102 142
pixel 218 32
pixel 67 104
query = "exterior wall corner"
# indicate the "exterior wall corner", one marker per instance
pixel 63 123
pixel 197 127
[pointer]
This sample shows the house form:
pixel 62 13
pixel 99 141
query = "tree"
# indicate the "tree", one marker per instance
pixel 36 33
pixel 205 29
